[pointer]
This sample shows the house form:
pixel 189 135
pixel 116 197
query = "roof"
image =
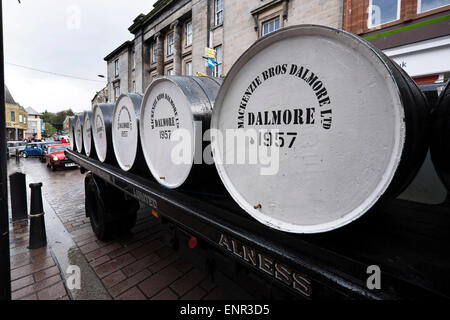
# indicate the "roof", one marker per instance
pixel 31 111
pixel 141 19
pixel 8 97
pixel 119 49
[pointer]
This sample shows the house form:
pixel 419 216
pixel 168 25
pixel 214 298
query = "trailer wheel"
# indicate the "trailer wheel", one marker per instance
pixel 109 210
pixel 102 222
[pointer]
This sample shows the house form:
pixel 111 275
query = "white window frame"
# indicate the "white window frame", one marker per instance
pixel 219 64
pixel 20 118
pixel 419 7
pixel 186 68
pixel 116 68
pixel 188 35
pixel 218 13
pixel 116 92
pixel 154 51
pixel 170 72
pixel 369 19
pixel 170 43
pixel 269 21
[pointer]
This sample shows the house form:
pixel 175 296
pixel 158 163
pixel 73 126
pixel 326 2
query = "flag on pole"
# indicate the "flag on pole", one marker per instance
pixel 211 63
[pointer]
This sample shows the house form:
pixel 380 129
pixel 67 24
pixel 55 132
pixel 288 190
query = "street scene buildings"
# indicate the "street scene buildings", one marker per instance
pixel 173 38
pixel 16 118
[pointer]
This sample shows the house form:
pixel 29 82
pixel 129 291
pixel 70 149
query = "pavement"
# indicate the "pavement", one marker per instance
pixel 75 265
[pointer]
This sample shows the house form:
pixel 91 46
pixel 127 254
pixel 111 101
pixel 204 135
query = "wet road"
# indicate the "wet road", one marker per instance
pixel 137 266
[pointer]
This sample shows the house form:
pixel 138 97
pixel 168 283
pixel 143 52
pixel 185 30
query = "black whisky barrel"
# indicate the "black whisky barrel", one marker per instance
pixel 125 133
pixel 175 114
pixel 79 122
pixel 330 126
pixel 431 92
pixel 440 139
pixel 102 122
pixel 72 133
pixel 88 138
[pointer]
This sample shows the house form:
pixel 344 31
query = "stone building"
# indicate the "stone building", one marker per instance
pixel 35 124
pixel 16 118
pixel 173 37
pixel 100 96
pixel 414 33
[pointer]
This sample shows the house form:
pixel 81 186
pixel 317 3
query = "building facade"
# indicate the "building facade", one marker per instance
pixel 414 33
pixel 16 118
pixel 173 37
pixel 100 96
pixel 35 124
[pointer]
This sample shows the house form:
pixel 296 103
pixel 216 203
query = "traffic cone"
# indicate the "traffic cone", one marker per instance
pixel 38 237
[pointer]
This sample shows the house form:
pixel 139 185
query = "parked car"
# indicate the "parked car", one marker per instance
pixel 55 157
pixel 33 149
pixel 15 145
pixel 45 146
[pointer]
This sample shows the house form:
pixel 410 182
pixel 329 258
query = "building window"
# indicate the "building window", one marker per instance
pixel 383 11
pixel 13 116
pixel 170 72
pixel 134 86
pixel 270 26
pixel 20 118
pixel 189 33
pixel 188 68
pixel 25 120
pixel 218 9
pixel 170 44
pixel 427 5
pixel 219 61
pixel 116 68
pixel 154 52
pixel 116 92
pixel 134 59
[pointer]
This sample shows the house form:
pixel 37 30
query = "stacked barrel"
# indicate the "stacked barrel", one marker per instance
pixel 310 129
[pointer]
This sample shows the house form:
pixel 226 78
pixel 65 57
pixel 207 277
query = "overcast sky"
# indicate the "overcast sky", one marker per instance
pixel 63 36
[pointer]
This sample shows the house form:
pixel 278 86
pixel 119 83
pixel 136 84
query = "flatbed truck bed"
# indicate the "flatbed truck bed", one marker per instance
pixel 407 242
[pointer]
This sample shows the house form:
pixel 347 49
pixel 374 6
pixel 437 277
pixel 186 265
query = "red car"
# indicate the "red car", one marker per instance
pixel 55 157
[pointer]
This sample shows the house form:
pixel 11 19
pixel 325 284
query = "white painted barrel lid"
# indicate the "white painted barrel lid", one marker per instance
pixel 334 94
pixel 165 110
pixel 125 132
pixel 99 132
pixel 72 133
pixel 79 121
pixel 87 133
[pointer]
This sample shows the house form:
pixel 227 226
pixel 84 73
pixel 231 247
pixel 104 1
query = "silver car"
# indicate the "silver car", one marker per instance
pixel 15 145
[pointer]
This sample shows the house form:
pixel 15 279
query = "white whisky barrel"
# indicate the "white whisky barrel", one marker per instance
pixel 345 125
pixel 79 122
pixel 125 133
pixel 72 133
pixel 102 122
pixel 88 138
pixel 171 106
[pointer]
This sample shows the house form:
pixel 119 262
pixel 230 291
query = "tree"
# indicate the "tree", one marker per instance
pixel 49 130
pixel 56 120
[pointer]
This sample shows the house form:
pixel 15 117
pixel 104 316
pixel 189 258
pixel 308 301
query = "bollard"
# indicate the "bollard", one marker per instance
pixel 18 190
pixel 38 237
pixel 17 156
